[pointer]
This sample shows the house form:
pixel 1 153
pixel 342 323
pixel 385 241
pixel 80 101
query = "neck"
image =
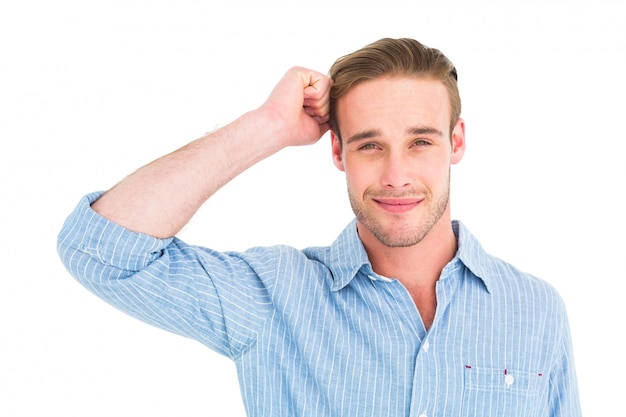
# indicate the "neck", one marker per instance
pixel 414 266
pixel 417 267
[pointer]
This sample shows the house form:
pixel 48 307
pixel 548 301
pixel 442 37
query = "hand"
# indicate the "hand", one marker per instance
pixel 298 106
pixel 160 198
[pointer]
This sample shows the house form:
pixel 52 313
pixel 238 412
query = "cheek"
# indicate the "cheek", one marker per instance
pixel 433 173
pixel 441 177
pixel 358 179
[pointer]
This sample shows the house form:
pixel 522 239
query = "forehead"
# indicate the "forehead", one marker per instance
pixel 394 102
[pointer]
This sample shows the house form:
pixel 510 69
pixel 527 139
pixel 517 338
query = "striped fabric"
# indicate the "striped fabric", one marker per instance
pixel 316 332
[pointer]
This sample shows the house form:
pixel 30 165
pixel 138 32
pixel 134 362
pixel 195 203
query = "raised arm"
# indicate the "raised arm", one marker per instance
pixel 160 198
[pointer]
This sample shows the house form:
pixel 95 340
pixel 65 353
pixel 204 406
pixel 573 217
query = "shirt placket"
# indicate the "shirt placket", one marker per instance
pixel 426 378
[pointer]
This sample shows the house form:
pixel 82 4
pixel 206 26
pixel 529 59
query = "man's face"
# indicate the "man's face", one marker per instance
pixel 396 153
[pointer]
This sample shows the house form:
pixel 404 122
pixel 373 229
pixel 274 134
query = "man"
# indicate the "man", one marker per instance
pixel 404 315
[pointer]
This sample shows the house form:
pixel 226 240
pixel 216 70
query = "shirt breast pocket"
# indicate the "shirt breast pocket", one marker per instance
pixel 498 392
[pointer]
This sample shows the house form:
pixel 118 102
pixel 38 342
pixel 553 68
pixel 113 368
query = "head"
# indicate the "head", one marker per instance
pixel 395 131
pixel 392 57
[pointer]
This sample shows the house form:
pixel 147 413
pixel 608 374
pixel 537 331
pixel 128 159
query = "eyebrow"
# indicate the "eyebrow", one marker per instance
pixel 372 133
pixel 367 134
pixel 424 130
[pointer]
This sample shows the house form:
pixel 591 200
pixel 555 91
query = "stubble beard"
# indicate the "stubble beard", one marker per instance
pixel 401 234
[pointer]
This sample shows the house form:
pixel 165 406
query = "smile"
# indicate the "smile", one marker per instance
pixel 397 205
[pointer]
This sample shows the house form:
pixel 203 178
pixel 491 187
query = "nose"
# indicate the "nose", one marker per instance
pixel 396 171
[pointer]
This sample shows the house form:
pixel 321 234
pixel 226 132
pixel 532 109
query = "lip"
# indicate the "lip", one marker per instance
pixel 397 205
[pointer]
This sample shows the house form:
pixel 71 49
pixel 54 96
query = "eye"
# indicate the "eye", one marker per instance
pixel 421 142
pixel 368 146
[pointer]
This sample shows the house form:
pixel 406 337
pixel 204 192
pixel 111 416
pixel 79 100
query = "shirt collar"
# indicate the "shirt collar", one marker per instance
pixel 348 256
pixel 471 253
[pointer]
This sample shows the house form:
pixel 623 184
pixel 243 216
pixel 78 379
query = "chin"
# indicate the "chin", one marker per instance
pixel 399 237
pixel 400 241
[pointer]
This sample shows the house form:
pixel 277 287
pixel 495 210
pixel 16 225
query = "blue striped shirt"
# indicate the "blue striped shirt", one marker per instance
pixel 317 332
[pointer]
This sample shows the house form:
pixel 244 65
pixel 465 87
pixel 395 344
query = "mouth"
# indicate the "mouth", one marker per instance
pixel 397 205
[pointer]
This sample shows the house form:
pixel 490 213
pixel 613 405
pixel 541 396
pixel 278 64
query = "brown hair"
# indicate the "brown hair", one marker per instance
pixel 392 57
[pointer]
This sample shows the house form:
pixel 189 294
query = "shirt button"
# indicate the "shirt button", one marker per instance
pixel 426 346
pixel 508 380
pixel 423 414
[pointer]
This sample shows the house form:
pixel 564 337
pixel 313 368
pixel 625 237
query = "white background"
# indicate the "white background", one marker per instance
pixel 89 91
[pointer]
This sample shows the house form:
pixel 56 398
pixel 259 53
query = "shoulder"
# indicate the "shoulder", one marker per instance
pixel 283 261
pixel 503 275
pixel 283 254
pixel 523 295
pixel 502 278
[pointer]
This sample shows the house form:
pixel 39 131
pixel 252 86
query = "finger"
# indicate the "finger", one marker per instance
pixel 312 78
pixel 319 115
pixel 318 100
pixel 315 96
pixel 324 127
pixel 318 86
pixel 320 107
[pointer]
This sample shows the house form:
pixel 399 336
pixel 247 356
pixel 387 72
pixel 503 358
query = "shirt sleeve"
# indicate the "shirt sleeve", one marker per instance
pixel 563 394
pixel 216 298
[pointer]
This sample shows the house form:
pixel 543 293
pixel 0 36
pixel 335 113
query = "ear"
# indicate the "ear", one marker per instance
pixel 458 142
pixel 336 148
